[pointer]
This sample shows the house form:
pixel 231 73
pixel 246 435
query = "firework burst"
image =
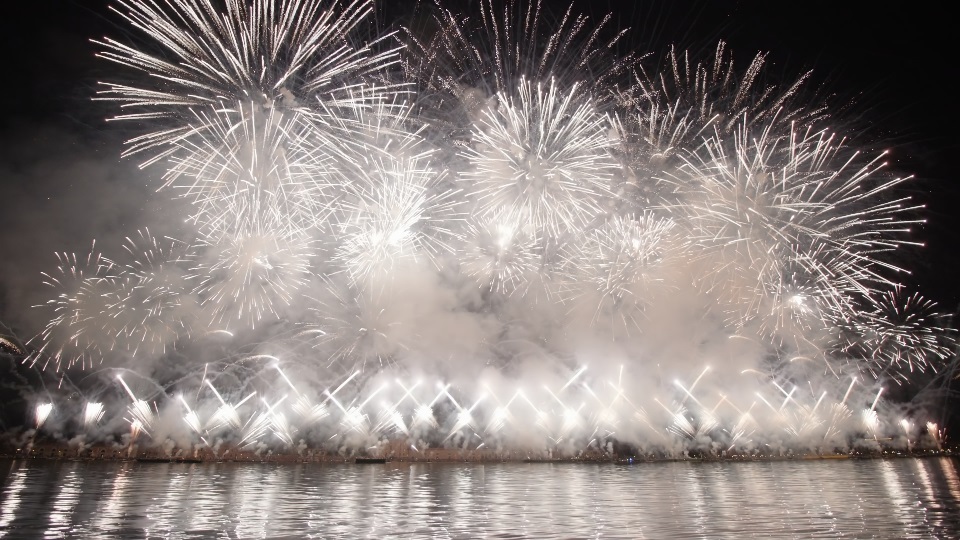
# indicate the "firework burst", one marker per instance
pixel 253 158
pixel 41 414
pixel 357 329
pixel 501 253
pixel 156 304
pixel 401 211
pixel 902 332
pixel 543 157
pixel 672 109
pixel 617 266
pixel 777 215
pixel 198 55
pixel 475 58
pixel 81 329
pixel 254 270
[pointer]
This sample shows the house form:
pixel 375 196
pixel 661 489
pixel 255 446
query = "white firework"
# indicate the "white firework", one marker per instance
pixel 251 153
pixel 92 413
pixel 771 211
pixel 156 306
pixel 81 329
pixel 671 110
pixel 356 328
pixel 253 270
pixel 903 333
pixel 543 157
pixel 199 54
pixel 500 253
pixel 41 414
pixel 513 41
pixel 380 124
pixel 797 308
pixel 402 209
pixel 535 160
pixel 618 266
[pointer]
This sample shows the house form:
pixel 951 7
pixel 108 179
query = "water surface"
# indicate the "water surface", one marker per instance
pixel 901 498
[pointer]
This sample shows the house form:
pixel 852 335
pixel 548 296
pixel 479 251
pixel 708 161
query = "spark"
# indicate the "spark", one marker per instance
pixel 41 414
pixel 92 413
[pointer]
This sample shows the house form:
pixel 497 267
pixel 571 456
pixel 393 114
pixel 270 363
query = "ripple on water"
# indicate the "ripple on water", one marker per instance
pixel 903 498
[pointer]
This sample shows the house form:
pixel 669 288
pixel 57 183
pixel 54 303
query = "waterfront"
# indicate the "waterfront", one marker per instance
pixel 897 498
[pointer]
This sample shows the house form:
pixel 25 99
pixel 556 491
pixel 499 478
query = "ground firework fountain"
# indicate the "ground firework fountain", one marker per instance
pixel 498 236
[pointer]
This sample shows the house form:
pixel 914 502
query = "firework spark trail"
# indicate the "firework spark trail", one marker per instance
pixel 308 411
pixel 191 418
pixel 8 344
pixel 41 414
pixel 376 123
pixel 141 416
pixel 92 413
pixel 263 421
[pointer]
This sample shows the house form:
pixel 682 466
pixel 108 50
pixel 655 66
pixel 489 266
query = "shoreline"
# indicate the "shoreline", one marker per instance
pixel 435 455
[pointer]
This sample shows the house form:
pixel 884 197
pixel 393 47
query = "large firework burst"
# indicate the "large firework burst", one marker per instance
pixel 773 211
pixel 199 57
pixel 543 157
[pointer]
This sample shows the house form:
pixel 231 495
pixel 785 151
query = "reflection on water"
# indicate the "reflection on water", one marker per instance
pixel 903 498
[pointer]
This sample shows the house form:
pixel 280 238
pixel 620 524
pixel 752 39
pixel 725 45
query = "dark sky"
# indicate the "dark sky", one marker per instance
pixel 57 153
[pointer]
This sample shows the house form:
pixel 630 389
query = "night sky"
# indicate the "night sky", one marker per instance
pixel 888 71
